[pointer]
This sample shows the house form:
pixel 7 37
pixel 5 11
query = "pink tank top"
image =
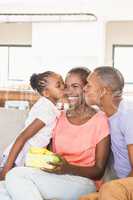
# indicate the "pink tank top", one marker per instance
pixel 77 143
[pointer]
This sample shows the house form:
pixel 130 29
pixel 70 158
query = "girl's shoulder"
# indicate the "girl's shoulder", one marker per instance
pixel 43 101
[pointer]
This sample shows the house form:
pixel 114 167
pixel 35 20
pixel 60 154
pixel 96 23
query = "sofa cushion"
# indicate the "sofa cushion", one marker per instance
pixel 11 123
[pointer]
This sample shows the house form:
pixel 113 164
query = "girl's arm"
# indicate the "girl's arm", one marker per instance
pixel 95 172
pixel 29 132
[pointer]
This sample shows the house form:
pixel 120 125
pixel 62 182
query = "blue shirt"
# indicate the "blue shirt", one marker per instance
pixel 121 131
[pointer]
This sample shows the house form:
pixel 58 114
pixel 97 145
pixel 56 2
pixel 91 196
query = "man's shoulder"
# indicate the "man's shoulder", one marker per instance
pixel 124 112
pixel 125 106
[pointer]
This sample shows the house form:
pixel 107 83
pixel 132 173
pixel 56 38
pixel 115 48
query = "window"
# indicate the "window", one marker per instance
pixel 123 60
pixel 20 62
pixel 55 46
pixel 3 65
pixel 16 64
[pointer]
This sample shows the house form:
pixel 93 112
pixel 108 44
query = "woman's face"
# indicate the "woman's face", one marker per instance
pixel 74 90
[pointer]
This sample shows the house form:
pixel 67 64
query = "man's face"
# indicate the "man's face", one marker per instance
pixel 93 90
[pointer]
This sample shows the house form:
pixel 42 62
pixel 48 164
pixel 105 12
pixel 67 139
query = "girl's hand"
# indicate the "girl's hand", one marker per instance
pixel 3 173
pixel 58 168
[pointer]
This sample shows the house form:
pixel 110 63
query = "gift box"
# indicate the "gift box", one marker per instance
pixel 41 158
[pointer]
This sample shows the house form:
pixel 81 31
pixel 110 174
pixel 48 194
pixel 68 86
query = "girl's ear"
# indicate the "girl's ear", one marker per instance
pixel 45 93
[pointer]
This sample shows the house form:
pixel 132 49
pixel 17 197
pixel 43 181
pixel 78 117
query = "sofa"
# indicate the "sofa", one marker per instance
pixel 11 123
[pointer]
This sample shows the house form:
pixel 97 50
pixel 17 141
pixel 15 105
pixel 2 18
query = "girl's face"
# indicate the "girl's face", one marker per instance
pixel 55 88
pixel 74 90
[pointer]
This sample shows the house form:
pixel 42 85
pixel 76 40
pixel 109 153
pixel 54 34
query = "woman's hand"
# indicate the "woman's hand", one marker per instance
pixel 58 168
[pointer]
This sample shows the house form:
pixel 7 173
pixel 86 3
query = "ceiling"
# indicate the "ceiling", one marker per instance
pixel 104 9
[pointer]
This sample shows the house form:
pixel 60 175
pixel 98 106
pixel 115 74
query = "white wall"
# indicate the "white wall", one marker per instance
pixel 121 33
pixel 55 46
pixel 65 45
pixel 117 32
pixel 12 34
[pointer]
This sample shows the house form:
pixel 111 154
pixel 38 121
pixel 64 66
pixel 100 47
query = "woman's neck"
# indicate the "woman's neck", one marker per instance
pixel 80 115
pixel 78 110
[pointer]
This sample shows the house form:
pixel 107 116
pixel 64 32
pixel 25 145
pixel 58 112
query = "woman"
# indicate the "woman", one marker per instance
pixel 81 138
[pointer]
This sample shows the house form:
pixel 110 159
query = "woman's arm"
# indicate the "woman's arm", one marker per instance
pixel 29 132
pixel 95 172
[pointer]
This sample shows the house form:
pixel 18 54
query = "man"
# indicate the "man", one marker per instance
pixel 104 89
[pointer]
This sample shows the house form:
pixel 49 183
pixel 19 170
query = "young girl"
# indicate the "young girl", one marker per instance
pixel 40 122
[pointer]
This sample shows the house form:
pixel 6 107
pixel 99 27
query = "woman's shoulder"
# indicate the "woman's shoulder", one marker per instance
pixel 101 114
pixel 100 118
pixel 62 116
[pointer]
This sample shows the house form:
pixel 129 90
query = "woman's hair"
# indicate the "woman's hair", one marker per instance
pixel 111 77
pixel 39 82
pixel 83 72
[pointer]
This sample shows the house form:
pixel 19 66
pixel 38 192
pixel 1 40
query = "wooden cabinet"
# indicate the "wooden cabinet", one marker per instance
pixel 5 95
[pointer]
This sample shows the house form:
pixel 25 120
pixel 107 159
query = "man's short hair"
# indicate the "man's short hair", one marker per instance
pixel 111 77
